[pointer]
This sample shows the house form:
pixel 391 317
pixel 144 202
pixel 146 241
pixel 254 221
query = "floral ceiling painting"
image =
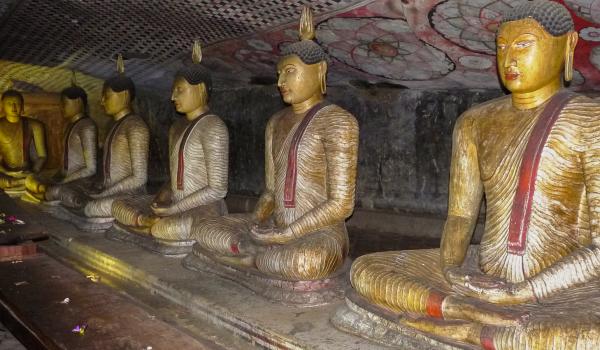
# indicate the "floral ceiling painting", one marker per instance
pixel 411 43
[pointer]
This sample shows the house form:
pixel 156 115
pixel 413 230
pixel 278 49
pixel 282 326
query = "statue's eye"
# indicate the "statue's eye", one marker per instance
pixel 501 46
pixel 523 44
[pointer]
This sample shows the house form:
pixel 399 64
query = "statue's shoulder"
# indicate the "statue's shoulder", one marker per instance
pixel 34 123
pixel 583 106
pixel 277 116
pixel 214 120
pixel 212 124
pixel 88 122
pixel 337 115
pixel 136 120
pixel 485 110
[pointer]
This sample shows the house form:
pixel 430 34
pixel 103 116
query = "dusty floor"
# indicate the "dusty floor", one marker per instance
pixel 8 341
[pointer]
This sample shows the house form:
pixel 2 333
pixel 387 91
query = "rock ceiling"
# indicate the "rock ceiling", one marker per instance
pixel 413 43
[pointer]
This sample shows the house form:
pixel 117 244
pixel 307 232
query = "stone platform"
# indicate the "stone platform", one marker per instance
pixel 159 246
pixel 356 316
pixel 222 303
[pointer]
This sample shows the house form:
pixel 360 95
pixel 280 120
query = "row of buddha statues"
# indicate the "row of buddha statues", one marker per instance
pixel 534 155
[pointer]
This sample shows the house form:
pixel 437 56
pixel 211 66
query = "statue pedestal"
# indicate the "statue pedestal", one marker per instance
pixel 358 317
pixel 228 306
pixel 76 217
pixel 148 242
pixel 296 293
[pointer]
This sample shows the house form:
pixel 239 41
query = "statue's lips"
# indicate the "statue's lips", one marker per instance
pixel 284 91
pixel 511 76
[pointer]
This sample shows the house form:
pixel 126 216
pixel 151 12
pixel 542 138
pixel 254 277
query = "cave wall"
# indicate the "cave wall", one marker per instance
pixel 405 139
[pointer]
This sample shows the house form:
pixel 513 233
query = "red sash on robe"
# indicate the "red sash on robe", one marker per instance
pixel 107 158
pixel 289 192
pixel 66 149
pixel 180 159
pixel 26 142
pixel 521 208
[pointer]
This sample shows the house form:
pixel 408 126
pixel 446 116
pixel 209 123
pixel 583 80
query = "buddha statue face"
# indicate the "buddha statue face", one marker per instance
pixel 71 107
pixel 298 81
pixel 114 102
pixel 187 97
pixel 529 58
pixel 13 108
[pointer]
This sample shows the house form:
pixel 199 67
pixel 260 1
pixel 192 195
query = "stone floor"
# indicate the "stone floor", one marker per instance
pixel 201 306
pixel 8 341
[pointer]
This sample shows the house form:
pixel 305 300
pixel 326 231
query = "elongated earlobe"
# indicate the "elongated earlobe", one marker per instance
pixel 323 78
pixel 569 67
pixel 569 54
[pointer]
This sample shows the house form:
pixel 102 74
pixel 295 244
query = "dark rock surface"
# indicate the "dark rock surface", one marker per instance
pixel 405 145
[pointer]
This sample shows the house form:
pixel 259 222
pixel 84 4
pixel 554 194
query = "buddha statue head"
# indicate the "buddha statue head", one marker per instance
pixel 12 104
pixel 302 70
pixel 73 101
pixel 192 86
pixel 535 44
pixel 118 92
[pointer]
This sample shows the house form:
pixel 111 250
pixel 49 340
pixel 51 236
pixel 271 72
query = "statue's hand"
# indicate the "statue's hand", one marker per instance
pixel 269 235
pixel 21 174
pixel 95 190
pixel 494 290
pixel 160 210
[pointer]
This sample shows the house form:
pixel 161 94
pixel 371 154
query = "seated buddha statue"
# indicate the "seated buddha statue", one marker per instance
pixel 199 160
pixel 79 155
pixel 533 282
pixel 125 158
pixel 297 231
pixel 22 145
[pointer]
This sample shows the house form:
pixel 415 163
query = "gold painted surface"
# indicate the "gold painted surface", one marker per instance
pixel 532 301
pixel 54 79
pixel 308 241
pixel 17 160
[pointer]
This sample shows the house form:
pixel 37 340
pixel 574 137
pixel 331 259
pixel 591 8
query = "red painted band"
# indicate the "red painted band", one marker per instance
pixel 434 304
pixel 108 145
pixel 486 338
pixel 289 192
pixel 66 147
pixel 181 154
pixel 26 141
pixel 521 207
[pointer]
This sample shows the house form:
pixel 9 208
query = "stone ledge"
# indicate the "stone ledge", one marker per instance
pixel 220 302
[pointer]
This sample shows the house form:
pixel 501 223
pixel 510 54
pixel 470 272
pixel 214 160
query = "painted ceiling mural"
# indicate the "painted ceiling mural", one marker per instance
pixel 413 43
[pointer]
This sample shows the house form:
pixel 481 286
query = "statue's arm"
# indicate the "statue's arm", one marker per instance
pixel 89 141
pixel 583 265
pixel 341 152
pixel 465 194
pixel 138 137
pixel 39 140
pixel 266 203
pixel 215 142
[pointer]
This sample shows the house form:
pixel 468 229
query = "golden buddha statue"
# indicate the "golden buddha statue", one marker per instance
pixel 199 160
pixel 125 159
pixel 79 155
pixel 297 231
pixel 535 156
pixel 22 145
